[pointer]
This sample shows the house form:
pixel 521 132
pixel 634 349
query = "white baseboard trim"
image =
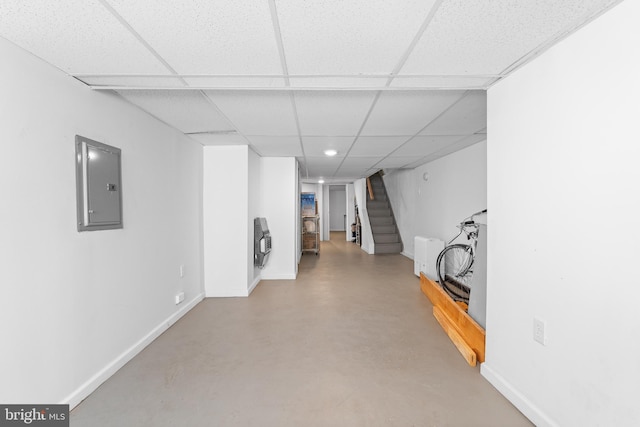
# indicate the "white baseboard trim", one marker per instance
pixel 524 405
pixel 280 276
pixel 254 284
pixel 76 397
pixel 228 293
pixel 407 254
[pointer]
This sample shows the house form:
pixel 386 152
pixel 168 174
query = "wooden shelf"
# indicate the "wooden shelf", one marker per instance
pixel 466 334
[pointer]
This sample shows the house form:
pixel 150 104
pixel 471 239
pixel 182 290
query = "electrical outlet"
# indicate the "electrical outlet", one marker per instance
pixel 182 271
pixel 539 333
pixel 179 298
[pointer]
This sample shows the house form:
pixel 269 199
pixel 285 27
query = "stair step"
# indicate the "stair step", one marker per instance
pixel 388 248
pixel 377 204
pixel 390 228
pixel 380 220
pixel 386 238
pixel 379 212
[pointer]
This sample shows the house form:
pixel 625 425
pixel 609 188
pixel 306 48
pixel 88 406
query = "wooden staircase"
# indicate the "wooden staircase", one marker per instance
pixel 383 224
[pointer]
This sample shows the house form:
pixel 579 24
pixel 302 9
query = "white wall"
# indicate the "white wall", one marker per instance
pixel 226 217
pixel 255 179
pixel 325 216
pixel 366 236
pixel 298 216
pixel 351 212
pixel 279 198
pixel 338 206
pixel 76 306
pixel 456 188
pixel 563 242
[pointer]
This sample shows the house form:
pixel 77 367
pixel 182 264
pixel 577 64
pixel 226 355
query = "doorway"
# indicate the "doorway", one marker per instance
pixel 337 211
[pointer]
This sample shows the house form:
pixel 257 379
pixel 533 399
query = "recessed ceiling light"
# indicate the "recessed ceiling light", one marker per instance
pixel 321 181
pixel 330 153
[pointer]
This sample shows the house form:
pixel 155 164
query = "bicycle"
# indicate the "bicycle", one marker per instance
pixel 455 263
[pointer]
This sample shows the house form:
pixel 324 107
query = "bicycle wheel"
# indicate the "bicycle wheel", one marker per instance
pixel 455 270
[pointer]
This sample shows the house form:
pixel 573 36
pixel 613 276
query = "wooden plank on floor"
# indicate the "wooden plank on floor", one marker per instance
pixel 470 331
pixel 466 351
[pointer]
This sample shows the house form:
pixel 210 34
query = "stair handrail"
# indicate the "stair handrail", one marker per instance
pixel 369 188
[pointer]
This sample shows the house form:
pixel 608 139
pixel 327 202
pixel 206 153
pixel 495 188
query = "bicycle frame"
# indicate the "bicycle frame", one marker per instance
pixel 464 266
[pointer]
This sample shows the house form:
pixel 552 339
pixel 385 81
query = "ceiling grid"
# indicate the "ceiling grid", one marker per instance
pixel 388 84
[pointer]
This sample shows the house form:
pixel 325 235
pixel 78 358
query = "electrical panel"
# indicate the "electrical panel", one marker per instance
pixel 98 185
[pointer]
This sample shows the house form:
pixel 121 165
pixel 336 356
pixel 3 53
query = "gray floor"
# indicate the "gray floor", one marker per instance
pixel 351 342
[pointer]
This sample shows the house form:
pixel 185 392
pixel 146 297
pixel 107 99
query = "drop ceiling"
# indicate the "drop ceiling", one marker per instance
pixel 388 84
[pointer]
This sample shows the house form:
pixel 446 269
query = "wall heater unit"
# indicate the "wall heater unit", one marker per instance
pixel 262 242
pixel 425 254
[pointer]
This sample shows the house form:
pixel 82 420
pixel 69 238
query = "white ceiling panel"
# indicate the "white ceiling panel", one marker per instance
pixel 348 37
pixel 405 113
pixel 424 145
pixel 187 111
pixel 213 139
pixel 323 161
pixel 360 162
pixel 486 37
pixel 332 113
pixel 450 148
pixel 357 172
pixel 466 117
pixel 77 36
pixel 376 145
pixel 396 162
pixel 276 146
pixel 326 172
pixel 207 37
pixel 257 113
pixel 315 145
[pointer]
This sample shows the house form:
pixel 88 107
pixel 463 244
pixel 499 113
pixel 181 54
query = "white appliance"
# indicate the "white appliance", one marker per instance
pixel 426 250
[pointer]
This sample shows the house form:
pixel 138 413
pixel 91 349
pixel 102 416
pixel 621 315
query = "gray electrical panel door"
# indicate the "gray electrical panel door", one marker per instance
pixel 103 185
pixel 99 193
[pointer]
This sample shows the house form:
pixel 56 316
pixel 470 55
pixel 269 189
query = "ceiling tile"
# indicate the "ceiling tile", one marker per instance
pixel 207 37
pixel 77 36
pixel 187 111
pixel 324 161
pixel 257 113
pixel 213 139
pixel 376 145
pixel 396 162
pixel 405 113
pixel 315 145
pixel 360 162
pixel 423 145
pixel 466 117
pixel 348 37
pixel 332 113
pixel 450 148
pixel 358 171
pixel 486 37
pixel 276 146
pixel 319 172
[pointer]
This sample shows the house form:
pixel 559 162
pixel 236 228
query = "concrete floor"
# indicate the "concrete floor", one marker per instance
pixel 351 342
